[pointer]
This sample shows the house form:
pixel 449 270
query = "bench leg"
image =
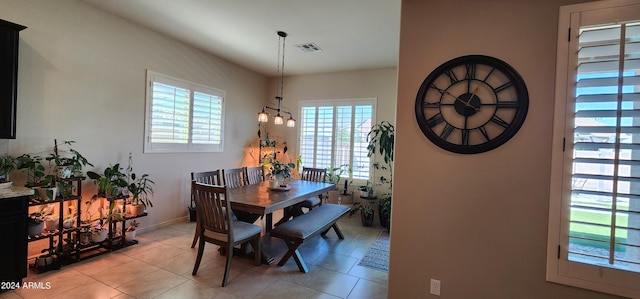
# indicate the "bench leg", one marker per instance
pixel 293 251
pixel 336 229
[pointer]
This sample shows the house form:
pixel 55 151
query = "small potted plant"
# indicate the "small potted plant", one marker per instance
pixel 7 166
pixel 49 259
pixel 99 231
pixel 70 217
pixel 366 213
pixel 278 172
pixel 130 233
pixel 141 191
pixel 334 175
pixel 36 219
pixel 110 183
pixel 366 191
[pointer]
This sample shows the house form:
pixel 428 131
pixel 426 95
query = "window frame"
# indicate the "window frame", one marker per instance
pixel 190 146
pixel 353 102
pixel 559 268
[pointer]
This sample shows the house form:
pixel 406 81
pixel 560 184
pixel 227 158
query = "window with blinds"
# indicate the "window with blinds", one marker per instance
pixel 334 133
pixel 594 225
pixel 182 116
pixel 604 223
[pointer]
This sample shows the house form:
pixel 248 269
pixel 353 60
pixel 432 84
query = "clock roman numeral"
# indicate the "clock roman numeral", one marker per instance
pixel 508 104
pixel 488 75
pixel 484 132
pixel 471 71
pixel 465 137
pixel 431 105
pixel 446 131
pixel 441 91
pixel 435 120
pixel 451 75
pixel 499 121
pixel 502 87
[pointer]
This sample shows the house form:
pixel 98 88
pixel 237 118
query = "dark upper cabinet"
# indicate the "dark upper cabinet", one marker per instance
pixel 9 40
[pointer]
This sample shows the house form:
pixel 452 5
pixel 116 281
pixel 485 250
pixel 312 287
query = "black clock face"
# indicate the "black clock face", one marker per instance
pixel 472 104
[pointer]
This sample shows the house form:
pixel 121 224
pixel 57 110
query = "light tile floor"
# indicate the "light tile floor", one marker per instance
pixel 160 267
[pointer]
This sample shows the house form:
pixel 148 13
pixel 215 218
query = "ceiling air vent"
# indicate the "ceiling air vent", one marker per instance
pixel 309 48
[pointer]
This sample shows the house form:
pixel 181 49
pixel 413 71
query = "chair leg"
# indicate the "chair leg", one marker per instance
pixel 229 252
pixel 199 258
pixel 195 236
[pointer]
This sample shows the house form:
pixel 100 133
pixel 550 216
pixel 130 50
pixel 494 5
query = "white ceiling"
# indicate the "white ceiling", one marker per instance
pixel 353 34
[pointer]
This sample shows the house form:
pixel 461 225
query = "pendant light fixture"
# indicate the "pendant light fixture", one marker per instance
pixel 263 116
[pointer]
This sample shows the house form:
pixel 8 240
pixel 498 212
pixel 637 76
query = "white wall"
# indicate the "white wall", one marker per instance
pixel 476 222
pixel 82 78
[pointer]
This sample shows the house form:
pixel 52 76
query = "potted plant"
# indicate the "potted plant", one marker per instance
pixel 334 175
pixel 69 217
pixel 34 168
pixel 141 191
pixel 49 259
pixel 69 162
pixel 366 213
pixel 110 183
pixel 382 140
pixel 7 166
pixel 36 219
pixel 366 191
pixel 278 171
pixel 130 232
pixel 99 231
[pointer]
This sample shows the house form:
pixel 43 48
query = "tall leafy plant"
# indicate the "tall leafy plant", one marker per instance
pixel 382 141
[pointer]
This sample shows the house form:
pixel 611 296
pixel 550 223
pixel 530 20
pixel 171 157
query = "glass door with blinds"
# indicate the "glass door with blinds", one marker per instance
pixel 604 206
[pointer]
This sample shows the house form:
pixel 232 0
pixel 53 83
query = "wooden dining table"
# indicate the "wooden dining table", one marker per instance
pixel 253 201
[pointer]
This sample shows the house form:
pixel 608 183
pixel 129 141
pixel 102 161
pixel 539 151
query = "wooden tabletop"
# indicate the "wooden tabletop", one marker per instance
pixel 258 199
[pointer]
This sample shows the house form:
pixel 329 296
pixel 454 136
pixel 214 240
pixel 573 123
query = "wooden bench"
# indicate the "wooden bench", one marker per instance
pixel 317 221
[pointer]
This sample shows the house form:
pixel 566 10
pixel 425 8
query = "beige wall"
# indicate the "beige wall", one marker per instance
pixel 82 78
pixel 476 222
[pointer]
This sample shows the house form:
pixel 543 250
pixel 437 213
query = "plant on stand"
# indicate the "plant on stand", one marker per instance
pixel 382 140
pixel 130 233
pixel 43 184
pixel 35 220
pixel 7 166
pixel 140 189
pixel 334 175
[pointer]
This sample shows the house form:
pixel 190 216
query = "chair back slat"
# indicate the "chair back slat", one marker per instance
pixel 208 177
pixel 254 175
pixel 234 177
pixel 213 210
pixel 314 174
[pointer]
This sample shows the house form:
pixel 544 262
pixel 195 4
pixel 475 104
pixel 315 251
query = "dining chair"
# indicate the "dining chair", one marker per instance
pixel 207 177
pixel 234 177
pixel 308 174
pixel 316 175
pixel 254 175
pixel 216 225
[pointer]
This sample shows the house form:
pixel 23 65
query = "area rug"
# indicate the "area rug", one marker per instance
pixel 378 255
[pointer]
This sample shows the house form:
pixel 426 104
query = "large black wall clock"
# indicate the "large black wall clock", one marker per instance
pixel 472 104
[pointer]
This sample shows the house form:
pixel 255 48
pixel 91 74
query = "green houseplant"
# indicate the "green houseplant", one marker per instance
pixel 382 141
pixel 279 171
pixel 110 182
pixel 334 175
pixel 141 191
pixel 140 188
pixel 7 166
